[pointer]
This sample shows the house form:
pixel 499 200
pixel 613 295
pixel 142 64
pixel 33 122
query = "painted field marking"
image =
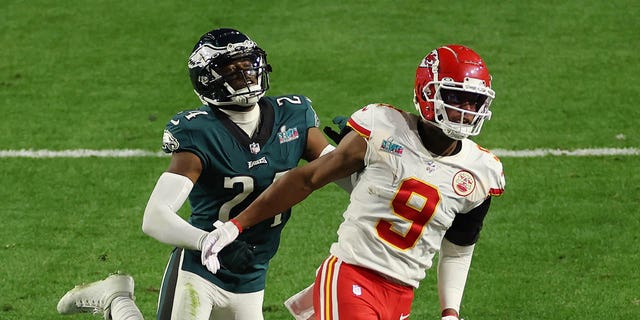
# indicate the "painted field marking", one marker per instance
pixel 80 153
pixel 535 153
pixel 138 153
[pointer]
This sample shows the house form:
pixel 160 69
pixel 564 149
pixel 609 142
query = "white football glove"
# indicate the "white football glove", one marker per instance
pixel 213 242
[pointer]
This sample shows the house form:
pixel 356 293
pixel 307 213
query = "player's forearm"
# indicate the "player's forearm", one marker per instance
pixel 295 186
pixel 453 267
pixel 161 221
pixel 283 194
pixel 347 182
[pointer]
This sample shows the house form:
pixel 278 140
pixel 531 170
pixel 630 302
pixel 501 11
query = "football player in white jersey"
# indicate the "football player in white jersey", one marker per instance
pixel 423 187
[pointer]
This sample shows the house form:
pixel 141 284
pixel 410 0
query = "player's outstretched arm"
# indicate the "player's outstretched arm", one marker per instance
pixel 285 192
pixel 300 182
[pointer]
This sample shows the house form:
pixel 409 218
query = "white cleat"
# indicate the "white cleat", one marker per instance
pixel 96 297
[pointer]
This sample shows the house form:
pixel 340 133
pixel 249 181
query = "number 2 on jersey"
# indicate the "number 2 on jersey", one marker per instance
pixel 415 201
pixel 247 188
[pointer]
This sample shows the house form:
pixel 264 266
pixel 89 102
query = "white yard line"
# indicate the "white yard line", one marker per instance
pixel 137 153
pixel 535 153
pixel 80 153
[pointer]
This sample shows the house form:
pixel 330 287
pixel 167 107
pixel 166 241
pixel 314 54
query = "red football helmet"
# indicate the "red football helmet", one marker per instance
pixel 447 78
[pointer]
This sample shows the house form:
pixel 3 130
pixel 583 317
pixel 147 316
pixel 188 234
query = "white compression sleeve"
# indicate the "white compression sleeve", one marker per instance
pixel 345 183
pixel 453 267
pixel 161 220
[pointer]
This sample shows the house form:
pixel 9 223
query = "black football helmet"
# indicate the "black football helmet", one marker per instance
pixel 228 69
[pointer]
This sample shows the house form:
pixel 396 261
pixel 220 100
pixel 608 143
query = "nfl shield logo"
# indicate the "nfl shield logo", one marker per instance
pixel 357 290
pixel 254 148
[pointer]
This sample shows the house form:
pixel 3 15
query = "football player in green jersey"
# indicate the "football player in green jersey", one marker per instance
pixel 223 155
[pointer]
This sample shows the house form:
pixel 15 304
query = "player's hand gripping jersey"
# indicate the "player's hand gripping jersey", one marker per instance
pixel 406 197
pixel 236 169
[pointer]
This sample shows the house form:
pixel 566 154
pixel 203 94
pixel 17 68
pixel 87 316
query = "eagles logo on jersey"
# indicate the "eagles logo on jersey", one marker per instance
pixel 169 142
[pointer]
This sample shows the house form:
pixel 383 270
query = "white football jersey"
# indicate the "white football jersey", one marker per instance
pixel 406 197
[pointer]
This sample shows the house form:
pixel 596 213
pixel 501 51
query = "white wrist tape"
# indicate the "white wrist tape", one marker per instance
pixel 453 267
pixel 161 220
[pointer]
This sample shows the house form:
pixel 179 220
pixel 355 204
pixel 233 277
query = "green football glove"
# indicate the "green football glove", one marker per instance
pixel 343 129
pixel 237 256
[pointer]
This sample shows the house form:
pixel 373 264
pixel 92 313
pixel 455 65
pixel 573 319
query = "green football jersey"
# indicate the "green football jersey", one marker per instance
pixel 236 169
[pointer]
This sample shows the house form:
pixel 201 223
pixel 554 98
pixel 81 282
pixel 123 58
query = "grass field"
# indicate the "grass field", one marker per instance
pixel 561 243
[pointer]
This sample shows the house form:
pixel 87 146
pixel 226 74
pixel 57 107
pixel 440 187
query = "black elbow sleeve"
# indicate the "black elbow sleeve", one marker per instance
pixel 466 227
